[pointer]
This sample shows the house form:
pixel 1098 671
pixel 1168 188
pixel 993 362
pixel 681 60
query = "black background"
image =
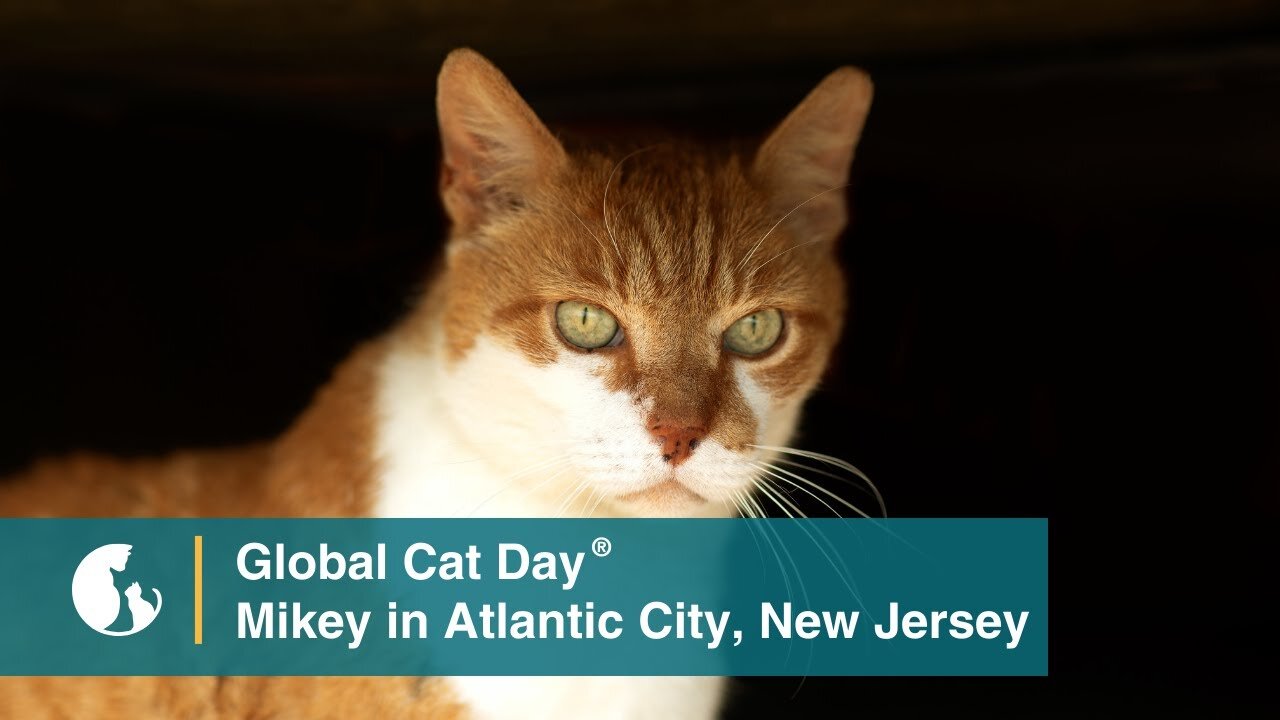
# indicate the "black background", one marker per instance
pixel 1064 300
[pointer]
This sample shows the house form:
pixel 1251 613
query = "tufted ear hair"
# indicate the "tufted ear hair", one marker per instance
pixel 495 148
pixel 805 162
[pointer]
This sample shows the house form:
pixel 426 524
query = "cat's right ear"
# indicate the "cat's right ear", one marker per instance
pixel 805 162
pixel 495 148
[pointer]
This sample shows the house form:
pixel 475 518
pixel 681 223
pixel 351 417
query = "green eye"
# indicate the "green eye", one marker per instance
pixel 754 333
pixel 586 326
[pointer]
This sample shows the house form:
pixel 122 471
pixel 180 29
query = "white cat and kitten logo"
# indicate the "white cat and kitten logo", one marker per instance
pixel 97 600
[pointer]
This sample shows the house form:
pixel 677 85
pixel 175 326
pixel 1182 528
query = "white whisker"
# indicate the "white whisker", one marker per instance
pixel 756 269
pixel 846 576
pixel 604 204
pixel 513 478
pixel 781 220
pixel 816 486
pixel 804 593
pixel 582 222
pixel 596 506
pixel 743 511
pixel 835 461
pixel 568 501
pixel 779 498
pixel 825 473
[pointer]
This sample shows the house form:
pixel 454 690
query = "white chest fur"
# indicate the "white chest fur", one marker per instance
pixel 474 440
pixel 596 698
pixel 429 467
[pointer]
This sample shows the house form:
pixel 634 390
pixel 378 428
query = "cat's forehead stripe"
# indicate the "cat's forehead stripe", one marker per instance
pixel 674 227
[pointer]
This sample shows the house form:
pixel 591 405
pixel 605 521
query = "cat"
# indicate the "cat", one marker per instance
pixel 614 332
pixel 143 612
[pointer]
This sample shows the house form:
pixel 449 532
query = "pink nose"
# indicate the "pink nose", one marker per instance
pixel 678 441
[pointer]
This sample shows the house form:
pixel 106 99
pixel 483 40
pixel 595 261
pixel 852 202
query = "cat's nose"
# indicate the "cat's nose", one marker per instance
pixel 678 440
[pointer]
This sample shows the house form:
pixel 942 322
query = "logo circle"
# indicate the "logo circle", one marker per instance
pixel 98 602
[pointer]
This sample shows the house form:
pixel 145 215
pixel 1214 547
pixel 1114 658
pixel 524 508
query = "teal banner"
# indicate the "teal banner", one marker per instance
pixel 524 597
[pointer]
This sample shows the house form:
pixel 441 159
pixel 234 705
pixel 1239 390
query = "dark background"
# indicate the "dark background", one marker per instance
pixel 1064 261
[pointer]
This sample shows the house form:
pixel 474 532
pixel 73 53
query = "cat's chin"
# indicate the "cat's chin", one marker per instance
pixel 669 498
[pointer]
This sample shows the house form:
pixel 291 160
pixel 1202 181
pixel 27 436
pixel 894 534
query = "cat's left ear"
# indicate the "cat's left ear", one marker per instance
pixel 496 150
pixel 804 163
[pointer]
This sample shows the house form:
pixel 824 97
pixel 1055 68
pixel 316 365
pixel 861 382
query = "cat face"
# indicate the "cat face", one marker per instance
pixel 118 556
pixel 134 591
pixel 652 317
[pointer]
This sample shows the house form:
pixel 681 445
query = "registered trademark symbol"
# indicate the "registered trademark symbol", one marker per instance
pixel 601 546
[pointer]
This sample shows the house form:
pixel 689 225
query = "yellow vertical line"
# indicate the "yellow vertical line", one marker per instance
pixel 199 605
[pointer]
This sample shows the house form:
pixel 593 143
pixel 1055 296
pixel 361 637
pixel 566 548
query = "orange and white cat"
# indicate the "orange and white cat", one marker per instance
pixel 613 332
